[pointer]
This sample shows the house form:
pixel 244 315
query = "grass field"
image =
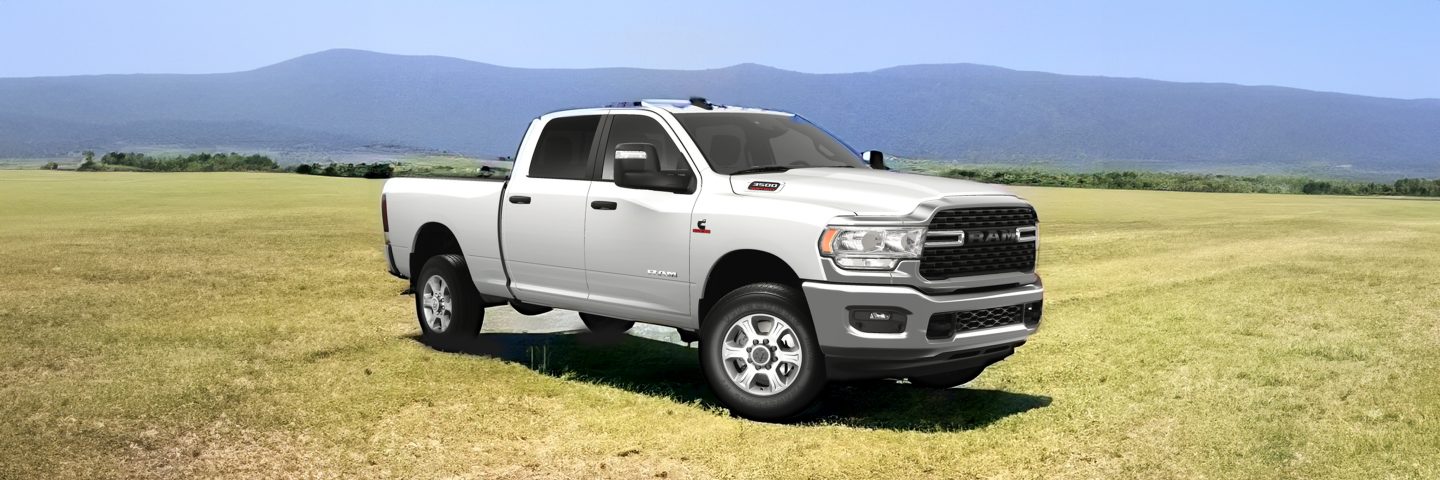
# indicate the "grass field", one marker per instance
pixel 242 325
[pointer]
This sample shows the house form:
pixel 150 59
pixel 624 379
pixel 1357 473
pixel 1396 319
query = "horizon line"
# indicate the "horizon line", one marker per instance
pixel 737 65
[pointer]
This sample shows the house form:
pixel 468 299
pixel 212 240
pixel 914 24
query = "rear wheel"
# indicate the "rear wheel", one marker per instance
pixel 446 303
pixel 948 379
pixel 759 352
pixel 605 325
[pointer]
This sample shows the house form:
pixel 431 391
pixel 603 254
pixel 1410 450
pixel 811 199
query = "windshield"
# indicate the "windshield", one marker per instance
pixel 735 142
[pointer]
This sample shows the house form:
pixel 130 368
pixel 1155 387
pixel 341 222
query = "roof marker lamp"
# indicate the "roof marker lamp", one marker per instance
pixel 871 248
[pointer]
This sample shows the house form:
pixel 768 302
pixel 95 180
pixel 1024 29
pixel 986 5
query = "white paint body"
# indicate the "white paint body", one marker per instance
pixel 644 260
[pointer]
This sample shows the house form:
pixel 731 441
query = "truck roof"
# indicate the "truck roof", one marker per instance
pixel 693 105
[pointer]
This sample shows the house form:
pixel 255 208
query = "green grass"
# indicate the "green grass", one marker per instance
pixel 242 325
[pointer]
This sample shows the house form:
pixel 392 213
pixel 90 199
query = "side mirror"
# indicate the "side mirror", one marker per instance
pixel 875 159
pixel 637 165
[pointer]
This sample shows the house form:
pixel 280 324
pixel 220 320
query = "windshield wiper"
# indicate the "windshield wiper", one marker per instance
pixel 767 168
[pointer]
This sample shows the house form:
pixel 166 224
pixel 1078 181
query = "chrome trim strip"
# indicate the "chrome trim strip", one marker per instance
pixel 1021 237
pixel 958 234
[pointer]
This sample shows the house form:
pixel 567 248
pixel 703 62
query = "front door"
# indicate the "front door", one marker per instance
pixel 637 245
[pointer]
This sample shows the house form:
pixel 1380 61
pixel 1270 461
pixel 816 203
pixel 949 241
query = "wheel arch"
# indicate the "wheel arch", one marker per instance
pixel 738 268
pixel 432 239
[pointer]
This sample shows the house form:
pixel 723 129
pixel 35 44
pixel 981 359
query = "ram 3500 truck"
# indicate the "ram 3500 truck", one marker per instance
pixel 792 259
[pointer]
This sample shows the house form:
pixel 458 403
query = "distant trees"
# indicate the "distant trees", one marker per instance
pixel 1418 187
pixel 361 170
pixel 449 167
pixel 198 162
pixel 1194 182
pixel 1316 188
pixel 50 166
pixel 89 164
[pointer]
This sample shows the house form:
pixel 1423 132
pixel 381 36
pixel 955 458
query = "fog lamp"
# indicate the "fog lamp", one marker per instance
pixel 878 319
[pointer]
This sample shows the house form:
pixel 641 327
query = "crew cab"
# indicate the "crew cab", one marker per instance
pixel 791 258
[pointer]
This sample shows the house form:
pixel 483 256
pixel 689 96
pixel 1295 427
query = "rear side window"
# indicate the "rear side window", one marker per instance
pixel 564 148
pixel 641 129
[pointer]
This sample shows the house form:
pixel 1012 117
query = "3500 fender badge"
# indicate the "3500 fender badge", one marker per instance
pixel 765 186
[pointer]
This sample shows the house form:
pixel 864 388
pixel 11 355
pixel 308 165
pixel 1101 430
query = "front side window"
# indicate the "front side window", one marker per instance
pixel 735 142
pixel 641 129
pixel 563 150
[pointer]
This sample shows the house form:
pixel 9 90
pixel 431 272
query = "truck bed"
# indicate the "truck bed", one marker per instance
pixel 469 207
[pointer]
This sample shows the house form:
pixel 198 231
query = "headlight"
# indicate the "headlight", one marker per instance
pixel 871 248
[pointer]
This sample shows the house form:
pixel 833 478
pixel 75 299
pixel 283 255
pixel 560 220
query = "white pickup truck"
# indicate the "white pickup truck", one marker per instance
pixel 791 258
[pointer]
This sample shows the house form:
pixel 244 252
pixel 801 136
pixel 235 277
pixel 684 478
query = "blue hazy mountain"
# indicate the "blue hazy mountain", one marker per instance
pixel 343 99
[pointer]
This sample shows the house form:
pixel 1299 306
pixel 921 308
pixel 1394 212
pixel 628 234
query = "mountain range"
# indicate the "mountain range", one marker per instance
pixel 340 100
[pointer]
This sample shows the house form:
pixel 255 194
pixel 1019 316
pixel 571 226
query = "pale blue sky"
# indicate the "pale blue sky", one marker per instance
pixel 1384 48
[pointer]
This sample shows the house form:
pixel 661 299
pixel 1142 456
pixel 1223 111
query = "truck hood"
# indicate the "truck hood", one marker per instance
pixel 859 190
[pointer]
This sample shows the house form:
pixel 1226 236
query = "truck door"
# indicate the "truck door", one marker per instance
pixel 637 242
pixel 542 220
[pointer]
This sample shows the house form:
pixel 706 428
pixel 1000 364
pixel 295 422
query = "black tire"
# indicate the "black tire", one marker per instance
pixel 605 325
pixel 770 299
pixel 948 379
pixel 466 312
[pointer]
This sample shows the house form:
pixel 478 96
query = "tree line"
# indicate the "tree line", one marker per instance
pixel 235 162
pixel 1127 180
pixel 197 162
pixel 362 170
pixel 396 169
pixel 1195 182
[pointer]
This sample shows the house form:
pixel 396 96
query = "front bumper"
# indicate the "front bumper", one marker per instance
pixel 851 353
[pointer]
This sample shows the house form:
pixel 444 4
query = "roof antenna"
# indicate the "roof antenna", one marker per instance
pixel 701 102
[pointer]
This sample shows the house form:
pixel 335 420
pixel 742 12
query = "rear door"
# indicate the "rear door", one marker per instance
pixel 542 221
pixel 637 245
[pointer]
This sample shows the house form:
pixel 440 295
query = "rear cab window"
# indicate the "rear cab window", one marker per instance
pixel 564 148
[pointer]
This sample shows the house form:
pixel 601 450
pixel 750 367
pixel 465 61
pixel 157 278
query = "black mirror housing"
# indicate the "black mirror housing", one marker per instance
pixel 637 165
pixel 876 159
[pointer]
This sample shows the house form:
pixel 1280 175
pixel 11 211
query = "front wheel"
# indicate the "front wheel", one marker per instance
pixel 446 303
pixel 759 352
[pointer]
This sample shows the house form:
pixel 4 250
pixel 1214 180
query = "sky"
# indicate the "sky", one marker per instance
pixel 1380 48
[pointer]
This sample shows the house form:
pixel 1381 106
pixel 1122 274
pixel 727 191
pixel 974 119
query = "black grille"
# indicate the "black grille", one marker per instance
pixel 947 324
pixel 939 263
